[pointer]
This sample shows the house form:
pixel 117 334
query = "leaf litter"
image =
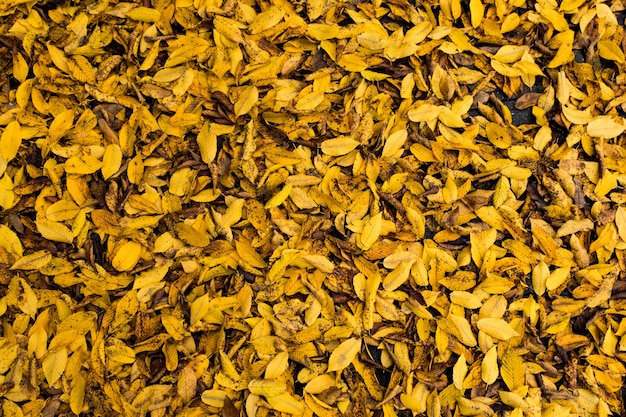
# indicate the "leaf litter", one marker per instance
pixel 273 208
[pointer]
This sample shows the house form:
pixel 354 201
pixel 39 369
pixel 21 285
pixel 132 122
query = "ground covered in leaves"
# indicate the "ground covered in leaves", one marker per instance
pixel 316 207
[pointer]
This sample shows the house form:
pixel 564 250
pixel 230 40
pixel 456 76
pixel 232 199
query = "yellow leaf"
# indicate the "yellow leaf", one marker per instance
pixel 187 383
pixel 248 254
pixel 539 277
pixel 144 14
pixel 213 397
pixel 207 143
pixel 321 32
pixel 555 18
pixel 320 262
pixel 343 354
pixel 229 28
pixel 10 409
pixel 60 125
pixel 199 308
pixel 398 276
pixel 111 161
pixel 286 403
pixel 62 210
pixel 496 328
pixel 20 67
pixel 557 277
pixel 339 146
pixel 459 372
pixel 246 101
pixel 10 142
pixel 53 365
pixel 620 223
pixel 181 181
pixel 119 352
pixel 135 170
pixel 151 57
pixel 513 370
pixel 371 231
pixel 267 19
pixel 477 12
pixel 352 62
pixel 489 366
pixel 10 242
pixel 394 143
pixel 277 366
pixel 55 231
pixel 82 165
pixel 58 57
pixel 267 387
pixel 126 256
pixel 33 261
pixel 464 333
pixel 606 127
pixel 280 197
pixel 77 395
pixel 611 51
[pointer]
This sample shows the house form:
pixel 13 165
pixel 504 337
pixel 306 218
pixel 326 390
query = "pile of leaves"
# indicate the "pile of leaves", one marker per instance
pixel 312 207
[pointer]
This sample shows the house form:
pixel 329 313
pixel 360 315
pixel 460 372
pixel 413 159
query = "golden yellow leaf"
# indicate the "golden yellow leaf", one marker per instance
pixel 464 330
pixel 10 142
pixel 126 256
pixel 557 278
pixel 371 231
pixel 214 397
pixel 286 403
pixel 459 372
pixel 207 142
pixel 477 10
pixel 620 222
pixel 77 394
pixel 513 370
pixel 606 127
pixel 135 170
pixel 55 231
pixel 53 364
pixel 280 197
pixel 394 143
pixel 489 366
pixel 267 387
pixel 269 18
pixel 246 101
pixel 343 354
pixel 277 366
pixel 187 383
pixel 339 146
pixel 111 161
pixel 496 328
pixel 60 125
pixel 611 51
pixel 62 210
pixel 144 14
pixel 10 242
